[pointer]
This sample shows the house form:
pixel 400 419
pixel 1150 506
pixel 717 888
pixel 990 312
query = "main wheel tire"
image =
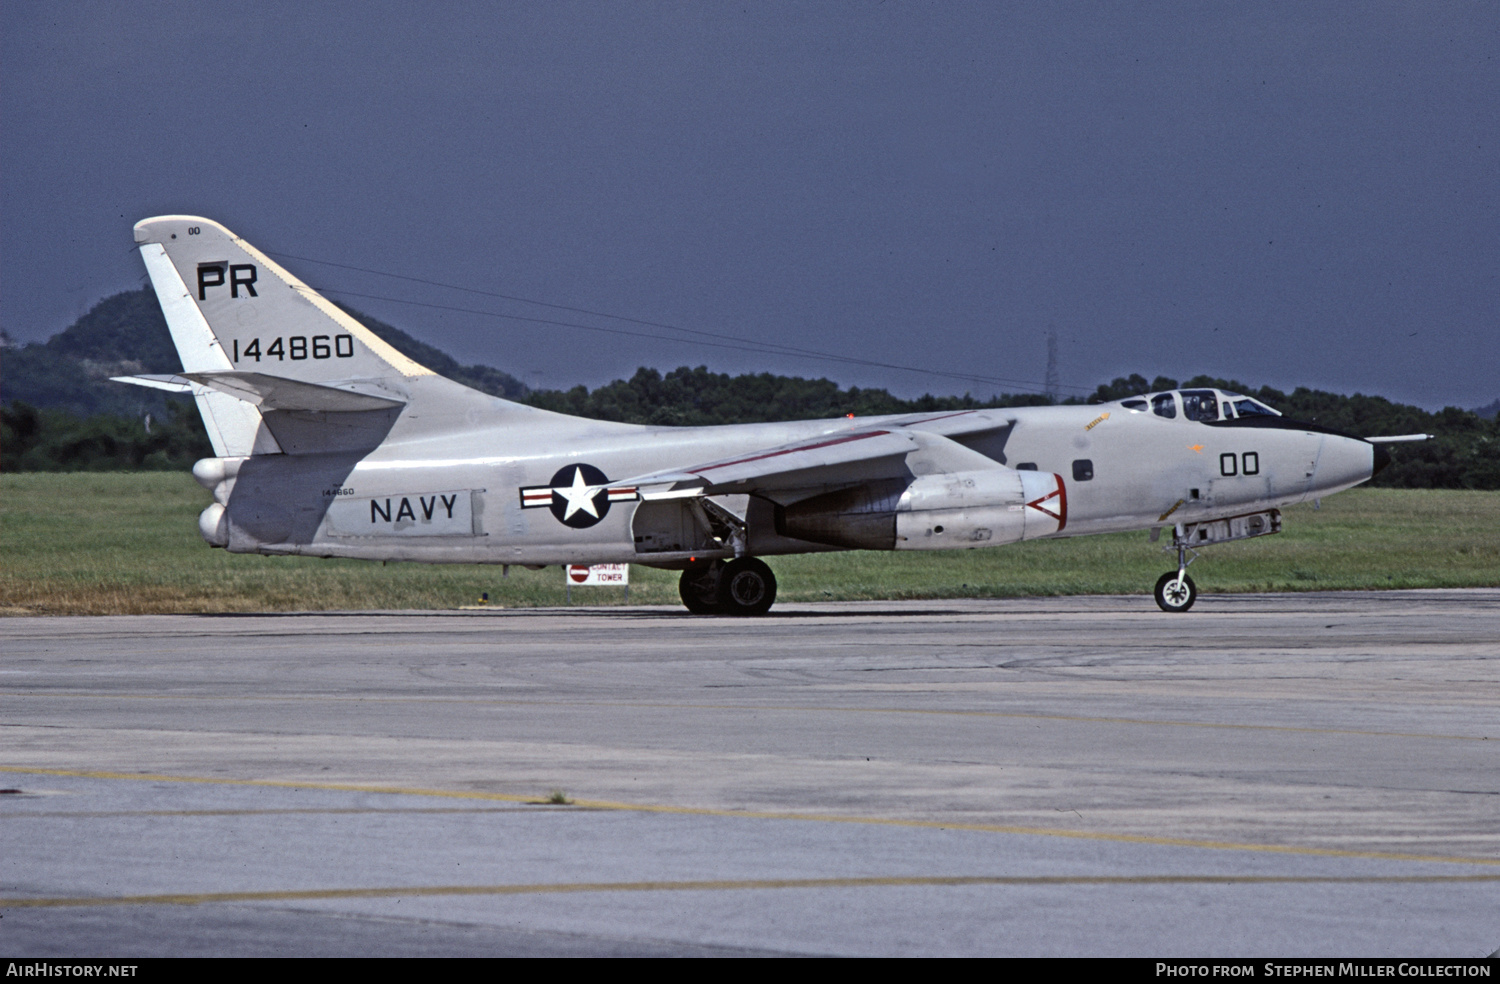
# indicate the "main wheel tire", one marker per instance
pixel 699 590
pixel 746 587
pixel 1173 595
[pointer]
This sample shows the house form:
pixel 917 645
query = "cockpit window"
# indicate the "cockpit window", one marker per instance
pixel 1164 405
pixel 1134 403
pixel 1200 405
pixel 1247 407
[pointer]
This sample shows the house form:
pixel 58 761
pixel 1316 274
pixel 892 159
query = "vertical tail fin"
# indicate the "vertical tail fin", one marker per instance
pixel 258 316
pixel 276 367
pixel 231 308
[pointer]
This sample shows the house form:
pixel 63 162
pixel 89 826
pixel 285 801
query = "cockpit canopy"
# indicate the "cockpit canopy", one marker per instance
pixel 1199 404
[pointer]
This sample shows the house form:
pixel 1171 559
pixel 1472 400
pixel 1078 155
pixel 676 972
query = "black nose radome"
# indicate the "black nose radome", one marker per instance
pixel 1382 458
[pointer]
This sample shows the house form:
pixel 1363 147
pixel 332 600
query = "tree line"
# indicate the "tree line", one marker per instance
pixel 62 414
pixel 1465 452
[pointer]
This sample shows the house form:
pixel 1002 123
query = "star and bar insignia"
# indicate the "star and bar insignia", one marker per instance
pixel 578 495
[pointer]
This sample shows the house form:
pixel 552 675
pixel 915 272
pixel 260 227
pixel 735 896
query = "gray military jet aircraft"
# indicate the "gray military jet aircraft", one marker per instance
pixel 330 443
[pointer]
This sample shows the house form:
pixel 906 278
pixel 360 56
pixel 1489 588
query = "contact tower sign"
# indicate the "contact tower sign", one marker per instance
pixel 612 575
pixel 596 575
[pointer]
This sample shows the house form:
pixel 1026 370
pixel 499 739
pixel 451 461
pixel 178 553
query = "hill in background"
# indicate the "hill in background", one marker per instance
pixel 126 335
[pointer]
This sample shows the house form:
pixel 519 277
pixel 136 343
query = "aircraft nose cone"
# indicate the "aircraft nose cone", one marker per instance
pixel 1382 458
pixel 1344 462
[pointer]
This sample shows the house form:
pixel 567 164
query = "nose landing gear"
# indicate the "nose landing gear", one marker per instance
pixel 1175 591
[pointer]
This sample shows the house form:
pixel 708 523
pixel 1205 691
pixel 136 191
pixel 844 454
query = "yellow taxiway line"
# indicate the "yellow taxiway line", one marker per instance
pixel 718 885
pixel 913 711
pixel 1326 852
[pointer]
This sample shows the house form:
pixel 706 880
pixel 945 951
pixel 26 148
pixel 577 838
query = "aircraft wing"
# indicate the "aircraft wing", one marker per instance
pixel 848 458
pixel 786 465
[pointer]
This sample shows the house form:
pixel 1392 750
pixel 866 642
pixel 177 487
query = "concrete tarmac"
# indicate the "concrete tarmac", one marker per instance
pixel 1267 775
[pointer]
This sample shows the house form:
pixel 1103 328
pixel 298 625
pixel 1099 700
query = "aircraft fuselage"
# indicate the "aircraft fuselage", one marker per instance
pixel 459 498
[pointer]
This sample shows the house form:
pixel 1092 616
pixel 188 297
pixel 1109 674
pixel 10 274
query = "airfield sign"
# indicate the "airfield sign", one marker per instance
pixel 585 575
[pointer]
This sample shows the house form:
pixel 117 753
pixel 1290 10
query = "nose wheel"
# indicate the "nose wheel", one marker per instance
pixel 1175 592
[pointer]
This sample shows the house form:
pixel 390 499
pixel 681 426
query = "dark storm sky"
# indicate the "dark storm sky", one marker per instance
pixel 1285 193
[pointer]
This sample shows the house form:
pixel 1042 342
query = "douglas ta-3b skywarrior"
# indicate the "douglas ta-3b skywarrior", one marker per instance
pixel 330 443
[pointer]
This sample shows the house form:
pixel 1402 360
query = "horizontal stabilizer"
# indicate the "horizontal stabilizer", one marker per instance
pixel 269 392
pixel 279 393
pixel 172 384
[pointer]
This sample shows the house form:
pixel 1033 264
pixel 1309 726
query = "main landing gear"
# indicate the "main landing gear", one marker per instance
pixel 744 586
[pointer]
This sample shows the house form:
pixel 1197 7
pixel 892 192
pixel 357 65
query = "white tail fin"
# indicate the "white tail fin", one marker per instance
pixel 277 368
pixel 232 309
pixel 234 428
pixel 258 317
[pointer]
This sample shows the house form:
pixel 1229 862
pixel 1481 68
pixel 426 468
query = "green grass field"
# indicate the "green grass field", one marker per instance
pixel 127 543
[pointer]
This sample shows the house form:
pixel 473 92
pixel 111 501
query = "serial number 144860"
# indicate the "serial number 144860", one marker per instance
pixel 298 347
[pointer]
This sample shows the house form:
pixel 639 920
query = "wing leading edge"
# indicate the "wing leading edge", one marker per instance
pixel 784 466
pixel 889 450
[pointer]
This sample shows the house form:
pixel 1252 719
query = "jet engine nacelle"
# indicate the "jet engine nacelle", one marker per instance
pixel 932 512
pixel 213 525
pixel 217 475
pixel 969 509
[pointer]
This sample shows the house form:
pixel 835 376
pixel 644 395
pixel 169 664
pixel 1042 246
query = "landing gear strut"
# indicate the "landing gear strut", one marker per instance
pixel 743 586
